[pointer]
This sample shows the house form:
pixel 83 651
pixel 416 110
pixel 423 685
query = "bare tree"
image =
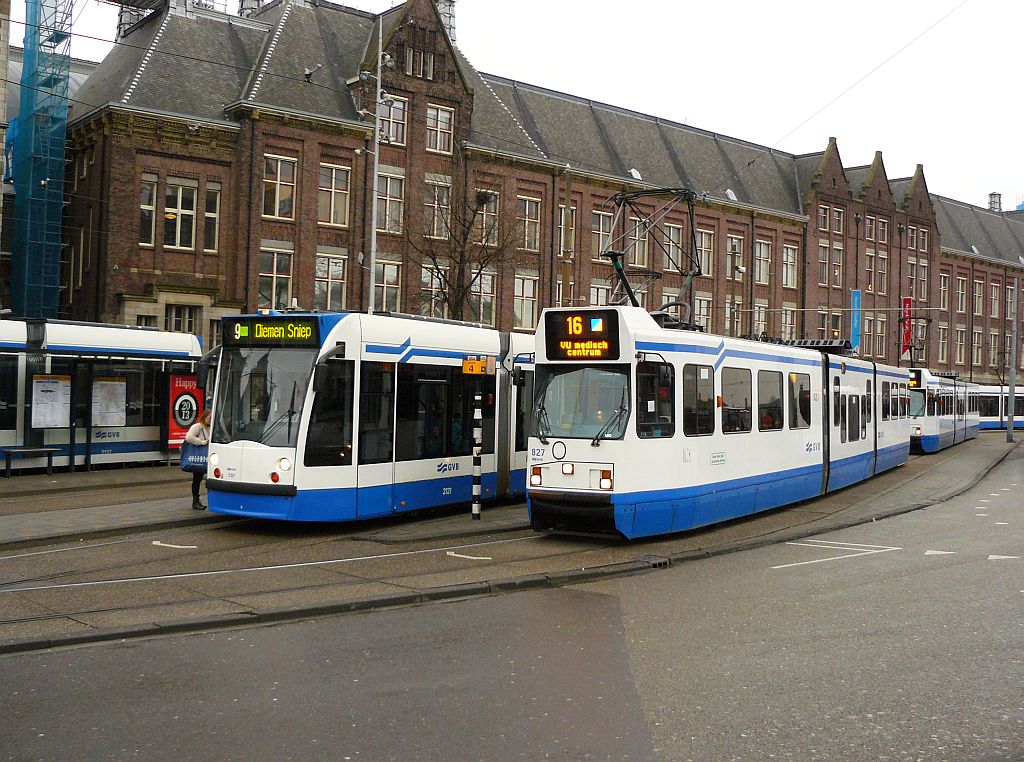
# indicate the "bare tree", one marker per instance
pixel 459 236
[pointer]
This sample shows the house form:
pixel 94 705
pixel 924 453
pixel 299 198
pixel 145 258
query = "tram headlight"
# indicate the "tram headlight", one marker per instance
pixel 214 459
pixel 917 431
pixel 568 469
pixel 535 477
pixel 284 464
pixel 606 480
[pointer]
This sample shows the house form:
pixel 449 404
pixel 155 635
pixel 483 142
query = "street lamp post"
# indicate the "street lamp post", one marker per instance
pixel 1013 362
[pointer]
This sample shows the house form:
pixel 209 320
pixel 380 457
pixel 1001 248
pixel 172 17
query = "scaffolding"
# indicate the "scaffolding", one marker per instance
pixel 38 143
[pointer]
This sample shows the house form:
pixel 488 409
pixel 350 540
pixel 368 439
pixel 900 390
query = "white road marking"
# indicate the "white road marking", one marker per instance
pixel 1002 523
pixel 993 494
pixel 984 500
pixel 168 545
pixel 1004 489
pixel 981 514
pixel 1002 558
pixel 940 552
pixel 274 567
pixel 859 549
pixel 453 554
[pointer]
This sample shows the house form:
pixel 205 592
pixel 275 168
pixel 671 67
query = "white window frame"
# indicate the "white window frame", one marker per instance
pixel 182 318
pixel 867 338
pixel 993 349
pixel 880 335
pixel 336 196
pixel 702 310
pixel 211 219
pixel 525 298
pixel 386 289
pixel 869 228
pixel 181 214
pixel 836 265
pixel 567 247
pixel 487 221
pixel 705 249
pixel 789 260
pixel 151 208
pixel 393 129
pixel 276 184
pixel 330 282
pixel 601 236
pixel 961 295
pixel 976 341
pixel 433 296
pixel 438 214
pixel 443 138
pixel 733 257
pixel 530 240
pixel 762 261
pixel 274 277
pixel 978 298
pixel 944 291
pixel 996 289
pixel 788 316
pixel 482 291
pixel 824 216
pixel 869 270
pixel 961 344
pixel 674 248
pixel 882 272
pixel 943 343
pixel 883 230
pixel 637 245
pixel 390 208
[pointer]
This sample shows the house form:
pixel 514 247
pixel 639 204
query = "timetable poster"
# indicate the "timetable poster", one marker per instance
pixel 108 401
pixel 51 402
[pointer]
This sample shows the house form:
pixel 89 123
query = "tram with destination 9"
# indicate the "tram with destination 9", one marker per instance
pixel 943 410
pixel 641 429
pixel 994 407
pixel 342 416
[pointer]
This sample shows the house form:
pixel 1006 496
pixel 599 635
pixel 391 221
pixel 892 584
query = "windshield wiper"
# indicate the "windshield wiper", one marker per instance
pixel 619 411
pixel 289 413
pixel 542 421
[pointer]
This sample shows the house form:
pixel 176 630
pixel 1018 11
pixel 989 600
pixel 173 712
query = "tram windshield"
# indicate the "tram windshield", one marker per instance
pixel 917 402
pixel 574 402
pixel 260 393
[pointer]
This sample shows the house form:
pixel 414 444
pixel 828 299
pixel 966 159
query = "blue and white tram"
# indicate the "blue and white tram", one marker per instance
pixel 944 410
pixel 642 430
pixel 340 416
pixel 994 407
pixel 95 393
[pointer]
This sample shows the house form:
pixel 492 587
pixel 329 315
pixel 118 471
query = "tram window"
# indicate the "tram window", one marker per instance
pixel 698 400
pixel 459 424
pixel 885 400
pixel 1018 406
pixel 376 411
pixel 864 407
pixel 524 404
pixel 8 392
pixel 853 418
pixel 931 404
pixel 799 401
pixel 769 400
pixel 894 401
pixel 917 403
pixel 842 417
pixel 737 400
pixel 869 404
pixel 835 402
pixel 329 439
pixel 141 393
pixel 655 400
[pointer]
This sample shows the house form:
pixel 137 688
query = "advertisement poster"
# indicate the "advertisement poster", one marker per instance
pixel 855 315
pixel 109 398
pixel 186 405
pixel 51 402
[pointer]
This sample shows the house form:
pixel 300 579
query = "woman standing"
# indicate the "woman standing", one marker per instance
pixel 199 434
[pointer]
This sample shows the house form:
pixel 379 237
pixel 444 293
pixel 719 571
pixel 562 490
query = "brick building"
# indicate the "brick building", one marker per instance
pixel 224 164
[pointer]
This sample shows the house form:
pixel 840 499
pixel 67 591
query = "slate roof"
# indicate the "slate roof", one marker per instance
pixel 996 235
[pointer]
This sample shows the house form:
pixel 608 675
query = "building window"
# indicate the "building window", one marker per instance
pixel 911 276
pixel 275 280
pixel 147 213
pixel 211 217
pixel 566 239
pixel 333 195
pixel 822 323
pixel 390 203
pixel 600 233
pixel 979 297
pixel 789 266
pixel 994 300
pixel 433 291
pixel 387 284
pixel 869 270
pixel 976 347
pixel 419 63
pixel 922 239
pixel 869 228
pixel 1009 302
pixel 880 322
pixel 762 262
pixel 145 321
pixel 993 349
pixel 481 297
pixel 961 294
pixel 181 318
pixel 636 244
pixel 437 206
pixel 823 264
pixel 961 340
pixel 705 249
pixel 440 125
pixel 883 231
pixel 179 216
pixel 867 341
pixel 733 317
pixel 822 218
pixel 788 323
pixel 943 291
pixel 528 215
pixel 392 121
pixel 920 341
pixel 837 265
pixel 278 187
pixel 701 311
pixel 882 273
pixel 329 284
pixel 911 237
pixel 600 293
pixel 922 280
pixel 487 218
pixel 524 301
pixel 837 220
pixel 734 258
pixel 558 292
pixel 943 344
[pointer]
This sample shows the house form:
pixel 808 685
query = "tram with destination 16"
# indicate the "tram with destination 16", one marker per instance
pixel 943 409
pixel 994 407
pixel 342 416
pixel 642 429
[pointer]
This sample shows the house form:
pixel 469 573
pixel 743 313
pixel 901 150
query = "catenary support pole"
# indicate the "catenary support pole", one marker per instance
pixel 478 441
pixel 1013 363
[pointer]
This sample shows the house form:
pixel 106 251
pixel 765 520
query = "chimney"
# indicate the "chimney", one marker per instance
pixel 995 202
pixel 447 10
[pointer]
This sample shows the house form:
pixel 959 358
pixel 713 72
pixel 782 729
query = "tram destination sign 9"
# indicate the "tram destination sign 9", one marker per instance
pixel 582 335
pixel 272 331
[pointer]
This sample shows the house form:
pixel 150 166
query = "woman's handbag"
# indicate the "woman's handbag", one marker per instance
pixel 193 458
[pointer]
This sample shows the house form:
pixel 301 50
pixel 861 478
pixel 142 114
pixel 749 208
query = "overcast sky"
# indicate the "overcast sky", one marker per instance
pixel 932 82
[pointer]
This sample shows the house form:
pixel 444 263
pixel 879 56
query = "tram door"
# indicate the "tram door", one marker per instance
pixel 376 471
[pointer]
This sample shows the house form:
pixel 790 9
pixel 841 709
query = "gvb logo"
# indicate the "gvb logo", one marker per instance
pixel 443 468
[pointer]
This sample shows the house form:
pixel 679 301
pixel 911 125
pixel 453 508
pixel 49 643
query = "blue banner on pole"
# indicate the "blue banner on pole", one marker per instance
pixel 855 319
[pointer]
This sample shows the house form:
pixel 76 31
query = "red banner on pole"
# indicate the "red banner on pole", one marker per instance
pixel 907 319
pixel 186 406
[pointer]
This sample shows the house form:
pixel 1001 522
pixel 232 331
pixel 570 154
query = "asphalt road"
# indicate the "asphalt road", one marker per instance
pixel 895 640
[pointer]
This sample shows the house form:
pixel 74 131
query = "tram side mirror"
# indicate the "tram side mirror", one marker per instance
pixel 518 376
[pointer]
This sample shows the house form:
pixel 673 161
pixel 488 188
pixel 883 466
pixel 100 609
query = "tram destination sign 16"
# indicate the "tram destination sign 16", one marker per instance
pixel 582 335
pixel 275 331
